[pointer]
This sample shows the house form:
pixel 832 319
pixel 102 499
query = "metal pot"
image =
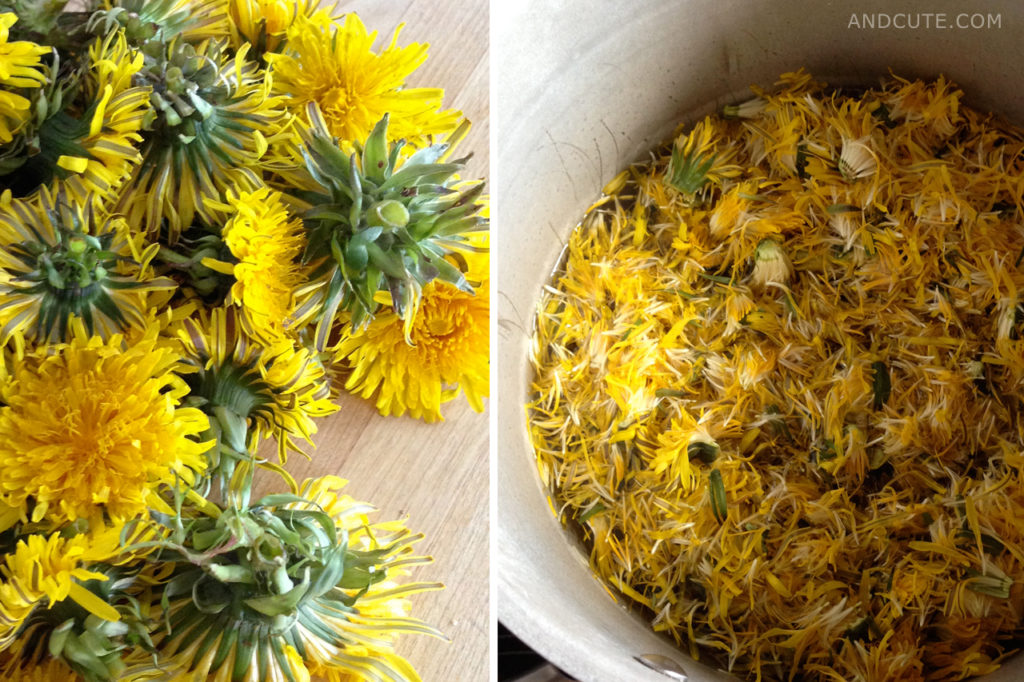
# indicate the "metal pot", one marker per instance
pixel 583 89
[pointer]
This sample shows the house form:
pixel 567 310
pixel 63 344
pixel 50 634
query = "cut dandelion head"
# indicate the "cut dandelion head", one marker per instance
pixel 62 260
pixel 381 226
pixel 334 67
pixel 20 69
pixel 252 391
pixel 293 581
pixel 265 245
pixel 96 429
pixel 212 115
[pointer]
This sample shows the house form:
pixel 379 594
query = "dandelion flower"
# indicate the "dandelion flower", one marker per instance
pixel 96 154
pixel 71 589
pixel 64 259
pixel 335 67
pixel 85 134
pixel 447 349
pixel 380 225
pixel 264 23
pixel 213 115
pixel 266 245
pixel 96 428
pixel 20 68
pixel 277 389
pixel 323 606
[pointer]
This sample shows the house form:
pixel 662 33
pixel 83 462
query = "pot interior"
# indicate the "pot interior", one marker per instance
pixel 582 90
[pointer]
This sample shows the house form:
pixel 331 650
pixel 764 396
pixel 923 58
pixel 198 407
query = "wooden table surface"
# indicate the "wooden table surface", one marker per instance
pixel 435 474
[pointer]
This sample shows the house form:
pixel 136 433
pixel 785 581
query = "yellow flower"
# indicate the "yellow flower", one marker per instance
pixel 267 245
pixel 277 388
pixel 102 157
pixel 62 258
pixel 201 148
pixel 19 68
pixel 46 570
pixel 264 23
pixel 335 67
pixel 380 613
pixel 327 602
pixel 93 428
pixel 448 349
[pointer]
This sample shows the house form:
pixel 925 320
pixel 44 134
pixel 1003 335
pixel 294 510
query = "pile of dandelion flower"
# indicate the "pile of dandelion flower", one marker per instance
pixel 215 218
pixel 777 380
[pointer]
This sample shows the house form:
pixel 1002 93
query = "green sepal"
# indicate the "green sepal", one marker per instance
pixel 719 503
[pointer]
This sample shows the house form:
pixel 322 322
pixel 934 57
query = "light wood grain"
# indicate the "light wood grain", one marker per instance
pixel 436 474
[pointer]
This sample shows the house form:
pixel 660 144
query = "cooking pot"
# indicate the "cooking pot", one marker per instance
pixel 581 90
